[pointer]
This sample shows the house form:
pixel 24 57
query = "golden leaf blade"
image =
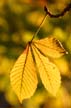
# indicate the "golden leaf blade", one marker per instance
pixel 49 73
pixel 50 47
pixel 23 77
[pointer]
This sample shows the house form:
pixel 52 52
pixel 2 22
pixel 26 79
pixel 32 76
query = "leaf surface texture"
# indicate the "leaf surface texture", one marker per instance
pixel 23 77
pixel 48 71
pixel 50 47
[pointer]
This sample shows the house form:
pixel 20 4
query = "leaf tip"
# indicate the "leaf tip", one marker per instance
pixel 21 101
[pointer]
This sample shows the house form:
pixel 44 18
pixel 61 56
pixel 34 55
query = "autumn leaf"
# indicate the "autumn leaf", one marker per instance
pixel 23 76
pixel 50 47
pixel 49 73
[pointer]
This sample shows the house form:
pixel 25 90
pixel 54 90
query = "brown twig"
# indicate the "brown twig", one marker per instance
pixel 57 15
pixel 52 16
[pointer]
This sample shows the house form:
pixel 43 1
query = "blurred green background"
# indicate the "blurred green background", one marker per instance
pixel 19 20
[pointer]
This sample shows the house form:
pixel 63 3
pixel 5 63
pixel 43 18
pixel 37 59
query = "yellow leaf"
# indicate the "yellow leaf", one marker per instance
pixel 50 47
pixel 49 73
pixel 23 77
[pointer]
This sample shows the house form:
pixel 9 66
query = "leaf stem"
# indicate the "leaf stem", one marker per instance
pixel 39 27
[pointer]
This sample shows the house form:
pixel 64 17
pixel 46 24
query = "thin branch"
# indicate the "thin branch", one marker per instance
pixel 52 16
pixel 39 27
pixel 66 9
